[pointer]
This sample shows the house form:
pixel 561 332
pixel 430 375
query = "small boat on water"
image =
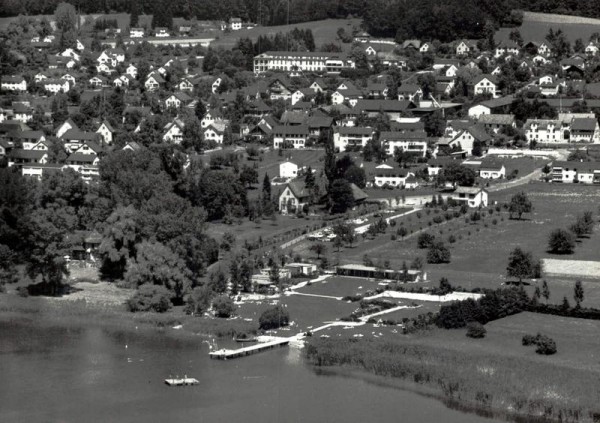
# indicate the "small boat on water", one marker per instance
pixel 184 381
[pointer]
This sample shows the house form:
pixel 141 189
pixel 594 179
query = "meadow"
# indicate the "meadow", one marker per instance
pixel 536 25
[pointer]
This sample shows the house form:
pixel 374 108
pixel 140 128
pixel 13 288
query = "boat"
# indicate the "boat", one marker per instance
pixel 184 381
pixel 245 339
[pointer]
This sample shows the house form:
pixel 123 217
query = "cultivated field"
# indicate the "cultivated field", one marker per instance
pixel 536 25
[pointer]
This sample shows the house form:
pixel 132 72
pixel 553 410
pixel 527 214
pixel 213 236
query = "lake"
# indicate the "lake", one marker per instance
pixel 96 375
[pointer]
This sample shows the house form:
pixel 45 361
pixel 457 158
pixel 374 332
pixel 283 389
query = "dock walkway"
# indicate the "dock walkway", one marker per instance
pixel 225 354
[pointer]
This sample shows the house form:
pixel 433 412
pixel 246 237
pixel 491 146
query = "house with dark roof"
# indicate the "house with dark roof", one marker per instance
pixel 395 177
pixel 75 138
pixel 585 130
pixel 19 156
pixel 473 197
pixel 497 123
pixel 486 84
pixel 295 197
pixel 286 136
pixel 492 169
pixel 393 108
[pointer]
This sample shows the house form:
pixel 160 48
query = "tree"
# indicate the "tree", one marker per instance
pixel 274 318
pixel 150 297
pixel 438 253
pixel 158 265
pixel 561 242
pixel 266 190
pixel 519 204
pixel 134 13
pixel 224 306
pixel 119 241
pixel 445 286
pixel 199 300
pixel 193 137
pixel 545 291
pixel 217 281
pixel 578 293
pixel 520 264
pixel 402 232
pixel 248 176
pixel 65 17
pixel 425 240
pixel 318 249
pixel 342 197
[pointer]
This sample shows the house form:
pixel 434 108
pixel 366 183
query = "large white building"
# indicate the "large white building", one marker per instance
pixel 294 61
pixel 570 172
pixel 415 143
pixel 351 136
pixel 544 131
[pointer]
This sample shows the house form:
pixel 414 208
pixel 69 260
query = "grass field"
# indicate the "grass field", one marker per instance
pixel 323 31
pixel 536 25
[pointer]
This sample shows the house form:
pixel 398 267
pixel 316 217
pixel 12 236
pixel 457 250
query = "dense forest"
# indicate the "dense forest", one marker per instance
pixel 444 20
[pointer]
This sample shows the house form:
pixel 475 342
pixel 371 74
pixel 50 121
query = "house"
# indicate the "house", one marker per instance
pixel 154 81
pixel 471 196
pixel 288 170
pixel 370 272
pixel 14 83
pixel 435 166
pixel 22 112
pixel 185 85
pixel 215 132
pixel 394 109
pixel 161 32
pixel 56 85
pixel 210 117
pixel 301 269
pixel 19 156
pixel 31 140
pixel 507 47
pixel 173 131
pixel 318 85
pixel 97 81
pixel 293 136
pixel 414 143
pixel 585 130
pixel 38 170
pixel 84 164
pixel 351 95
pixel 497 123
pixel 426 48
pixel 465 139
pixel 411 92
pixel 592 48
pixel 69 77
pixel 295 197
pixel 301 94
pixel 465 47
pixel 544 131
pixel 235 24
pixel 132 70
pixel 351 137
pixel 317 124
pixel 177 100
pixel 492 169
pixel 136 33
pixel 106 131
pixel 64 127
pixel 486 84
pixel 74 138
pixel 576 172
pixel 279 88
pixel 385 177
pixel 497 105
pixel 376 90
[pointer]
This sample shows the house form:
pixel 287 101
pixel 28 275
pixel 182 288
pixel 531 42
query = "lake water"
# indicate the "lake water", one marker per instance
pixel 87 375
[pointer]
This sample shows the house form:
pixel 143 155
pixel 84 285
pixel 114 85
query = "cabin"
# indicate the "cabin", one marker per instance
pixel 370 272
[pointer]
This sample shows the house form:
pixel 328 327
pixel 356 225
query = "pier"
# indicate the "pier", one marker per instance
pixel 225 354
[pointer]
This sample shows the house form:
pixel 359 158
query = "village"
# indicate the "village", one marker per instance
pixel 290 185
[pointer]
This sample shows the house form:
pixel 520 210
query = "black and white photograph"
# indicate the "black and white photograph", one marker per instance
pixel 300 211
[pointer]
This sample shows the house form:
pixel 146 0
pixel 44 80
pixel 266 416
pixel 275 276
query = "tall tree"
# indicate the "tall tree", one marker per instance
pixel 519 204
pixel 266 190
pixel 520 264
pixel 578 293
pixel 134 14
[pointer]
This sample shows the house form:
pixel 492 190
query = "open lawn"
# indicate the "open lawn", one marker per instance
pixel 481 250
pixel 323 31
pixel 536 25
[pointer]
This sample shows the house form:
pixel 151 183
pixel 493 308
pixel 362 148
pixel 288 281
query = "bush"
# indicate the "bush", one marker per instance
pixel 274 318
pixel 546 346
pixel 475 330
pixel 224 306
pixel 438 253
pixel 150 297
pixel 528 340
pixel 425 240
pixel 561 242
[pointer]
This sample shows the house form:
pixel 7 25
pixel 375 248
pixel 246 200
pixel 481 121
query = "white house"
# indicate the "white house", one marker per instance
pixel 136 32
pixel 544 131
pixel 173 131
pixel 345 137
pixel 486 84
pixel 56 85
pixel 592 48
pixel 106 131
pixel 288 170
pixel 215 132
pixel 161 33
pixel 415 143
pixel 581 172
pixel 471 196
pixel 290 136
pixel 585 130
pixel 153 82
pixel 384 176
pixel 235 24
pixel 491 169
pixel 132 70
pixel 177 100
pixel 14 83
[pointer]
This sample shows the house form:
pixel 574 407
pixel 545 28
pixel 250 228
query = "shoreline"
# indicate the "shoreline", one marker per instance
pixel 78 313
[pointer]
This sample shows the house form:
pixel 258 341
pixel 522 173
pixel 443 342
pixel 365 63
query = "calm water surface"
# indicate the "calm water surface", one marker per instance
pixel 87 375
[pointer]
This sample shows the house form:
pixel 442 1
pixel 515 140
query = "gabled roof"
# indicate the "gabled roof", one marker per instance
pixel 491 164
pixel 499 119
pixel 19 153
pixel 298 188
pixel 291 130
pixel 108 125
pixel 78 135
pixel 80 157
pixel 489 77
pixel 584 124
pixel 364 105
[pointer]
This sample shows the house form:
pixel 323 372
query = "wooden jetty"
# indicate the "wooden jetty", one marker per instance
pixel 225 354
pixel 184 381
